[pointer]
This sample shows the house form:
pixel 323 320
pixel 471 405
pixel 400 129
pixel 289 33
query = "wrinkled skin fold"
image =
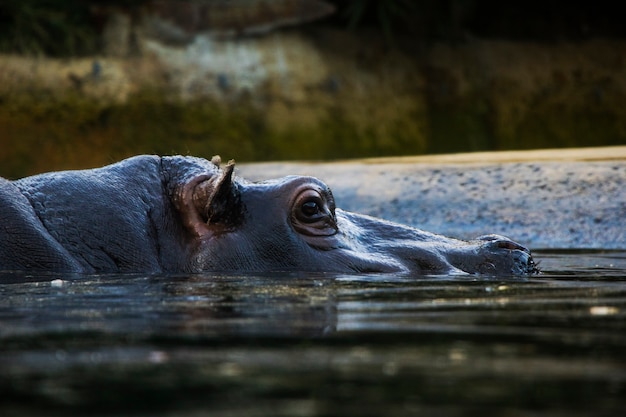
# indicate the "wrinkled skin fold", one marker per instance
pixel 185 214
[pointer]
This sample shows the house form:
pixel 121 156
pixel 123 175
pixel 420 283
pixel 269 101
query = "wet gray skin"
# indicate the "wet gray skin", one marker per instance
pixel 185 214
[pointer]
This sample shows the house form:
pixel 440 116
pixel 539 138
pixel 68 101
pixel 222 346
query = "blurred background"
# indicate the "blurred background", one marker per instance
pixel 88 82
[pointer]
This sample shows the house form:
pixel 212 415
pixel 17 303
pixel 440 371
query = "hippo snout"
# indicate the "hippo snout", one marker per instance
pixel 502 255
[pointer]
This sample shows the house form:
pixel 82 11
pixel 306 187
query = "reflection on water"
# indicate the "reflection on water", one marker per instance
pixel 298 344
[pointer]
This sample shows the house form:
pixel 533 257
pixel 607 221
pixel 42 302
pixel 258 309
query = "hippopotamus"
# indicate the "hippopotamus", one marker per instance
pixel 183 214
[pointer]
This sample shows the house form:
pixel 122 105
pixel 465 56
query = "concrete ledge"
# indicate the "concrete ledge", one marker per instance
pixel 606 153
pixel 565 198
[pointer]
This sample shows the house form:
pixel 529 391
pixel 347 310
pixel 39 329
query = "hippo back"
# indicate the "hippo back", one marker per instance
pixel 24 241
pixel 107 219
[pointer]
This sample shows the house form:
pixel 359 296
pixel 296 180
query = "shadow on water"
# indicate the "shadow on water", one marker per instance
pixel 323 345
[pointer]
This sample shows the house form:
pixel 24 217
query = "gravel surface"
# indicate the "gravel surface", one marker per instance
pixel 556 199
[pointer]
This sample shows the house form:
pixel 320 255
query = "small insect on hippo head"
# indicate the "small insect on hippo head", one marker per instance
pixel 292 224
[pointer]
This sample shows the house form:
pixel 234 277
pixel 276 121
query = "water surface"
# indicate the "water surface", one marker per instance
pixel 319 345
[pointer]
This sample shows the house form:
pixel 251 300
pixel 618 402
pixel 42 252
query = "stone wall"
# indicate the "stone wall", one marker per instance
pixel 321 94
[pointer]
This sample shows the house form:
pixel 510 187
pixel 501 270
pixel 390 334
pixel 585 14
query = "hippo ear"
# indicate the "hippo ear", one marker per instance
pixel 211 204
pixel 219 200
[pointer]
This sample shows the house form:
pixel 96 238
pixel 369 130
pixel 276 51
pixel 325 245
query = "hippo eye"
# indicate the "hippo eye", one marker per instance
pixel 310 210
pixel 313 215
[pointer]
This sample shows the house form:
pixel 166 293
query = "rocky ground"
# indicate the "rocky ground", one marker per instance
pixel 557 199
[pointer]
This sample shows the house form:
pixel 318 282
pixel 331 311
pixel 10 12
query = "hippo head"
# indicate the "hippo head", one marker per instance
pixel 292 224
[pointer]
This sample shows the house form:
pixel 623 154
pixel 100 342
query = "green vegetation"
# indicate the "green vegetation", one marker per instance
pixel 387 14
pixel 55 28
pixel 39 133
pixel 72 27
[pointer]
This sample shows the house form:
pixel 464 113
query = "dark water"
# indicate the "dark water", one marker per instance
pixel 302 345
